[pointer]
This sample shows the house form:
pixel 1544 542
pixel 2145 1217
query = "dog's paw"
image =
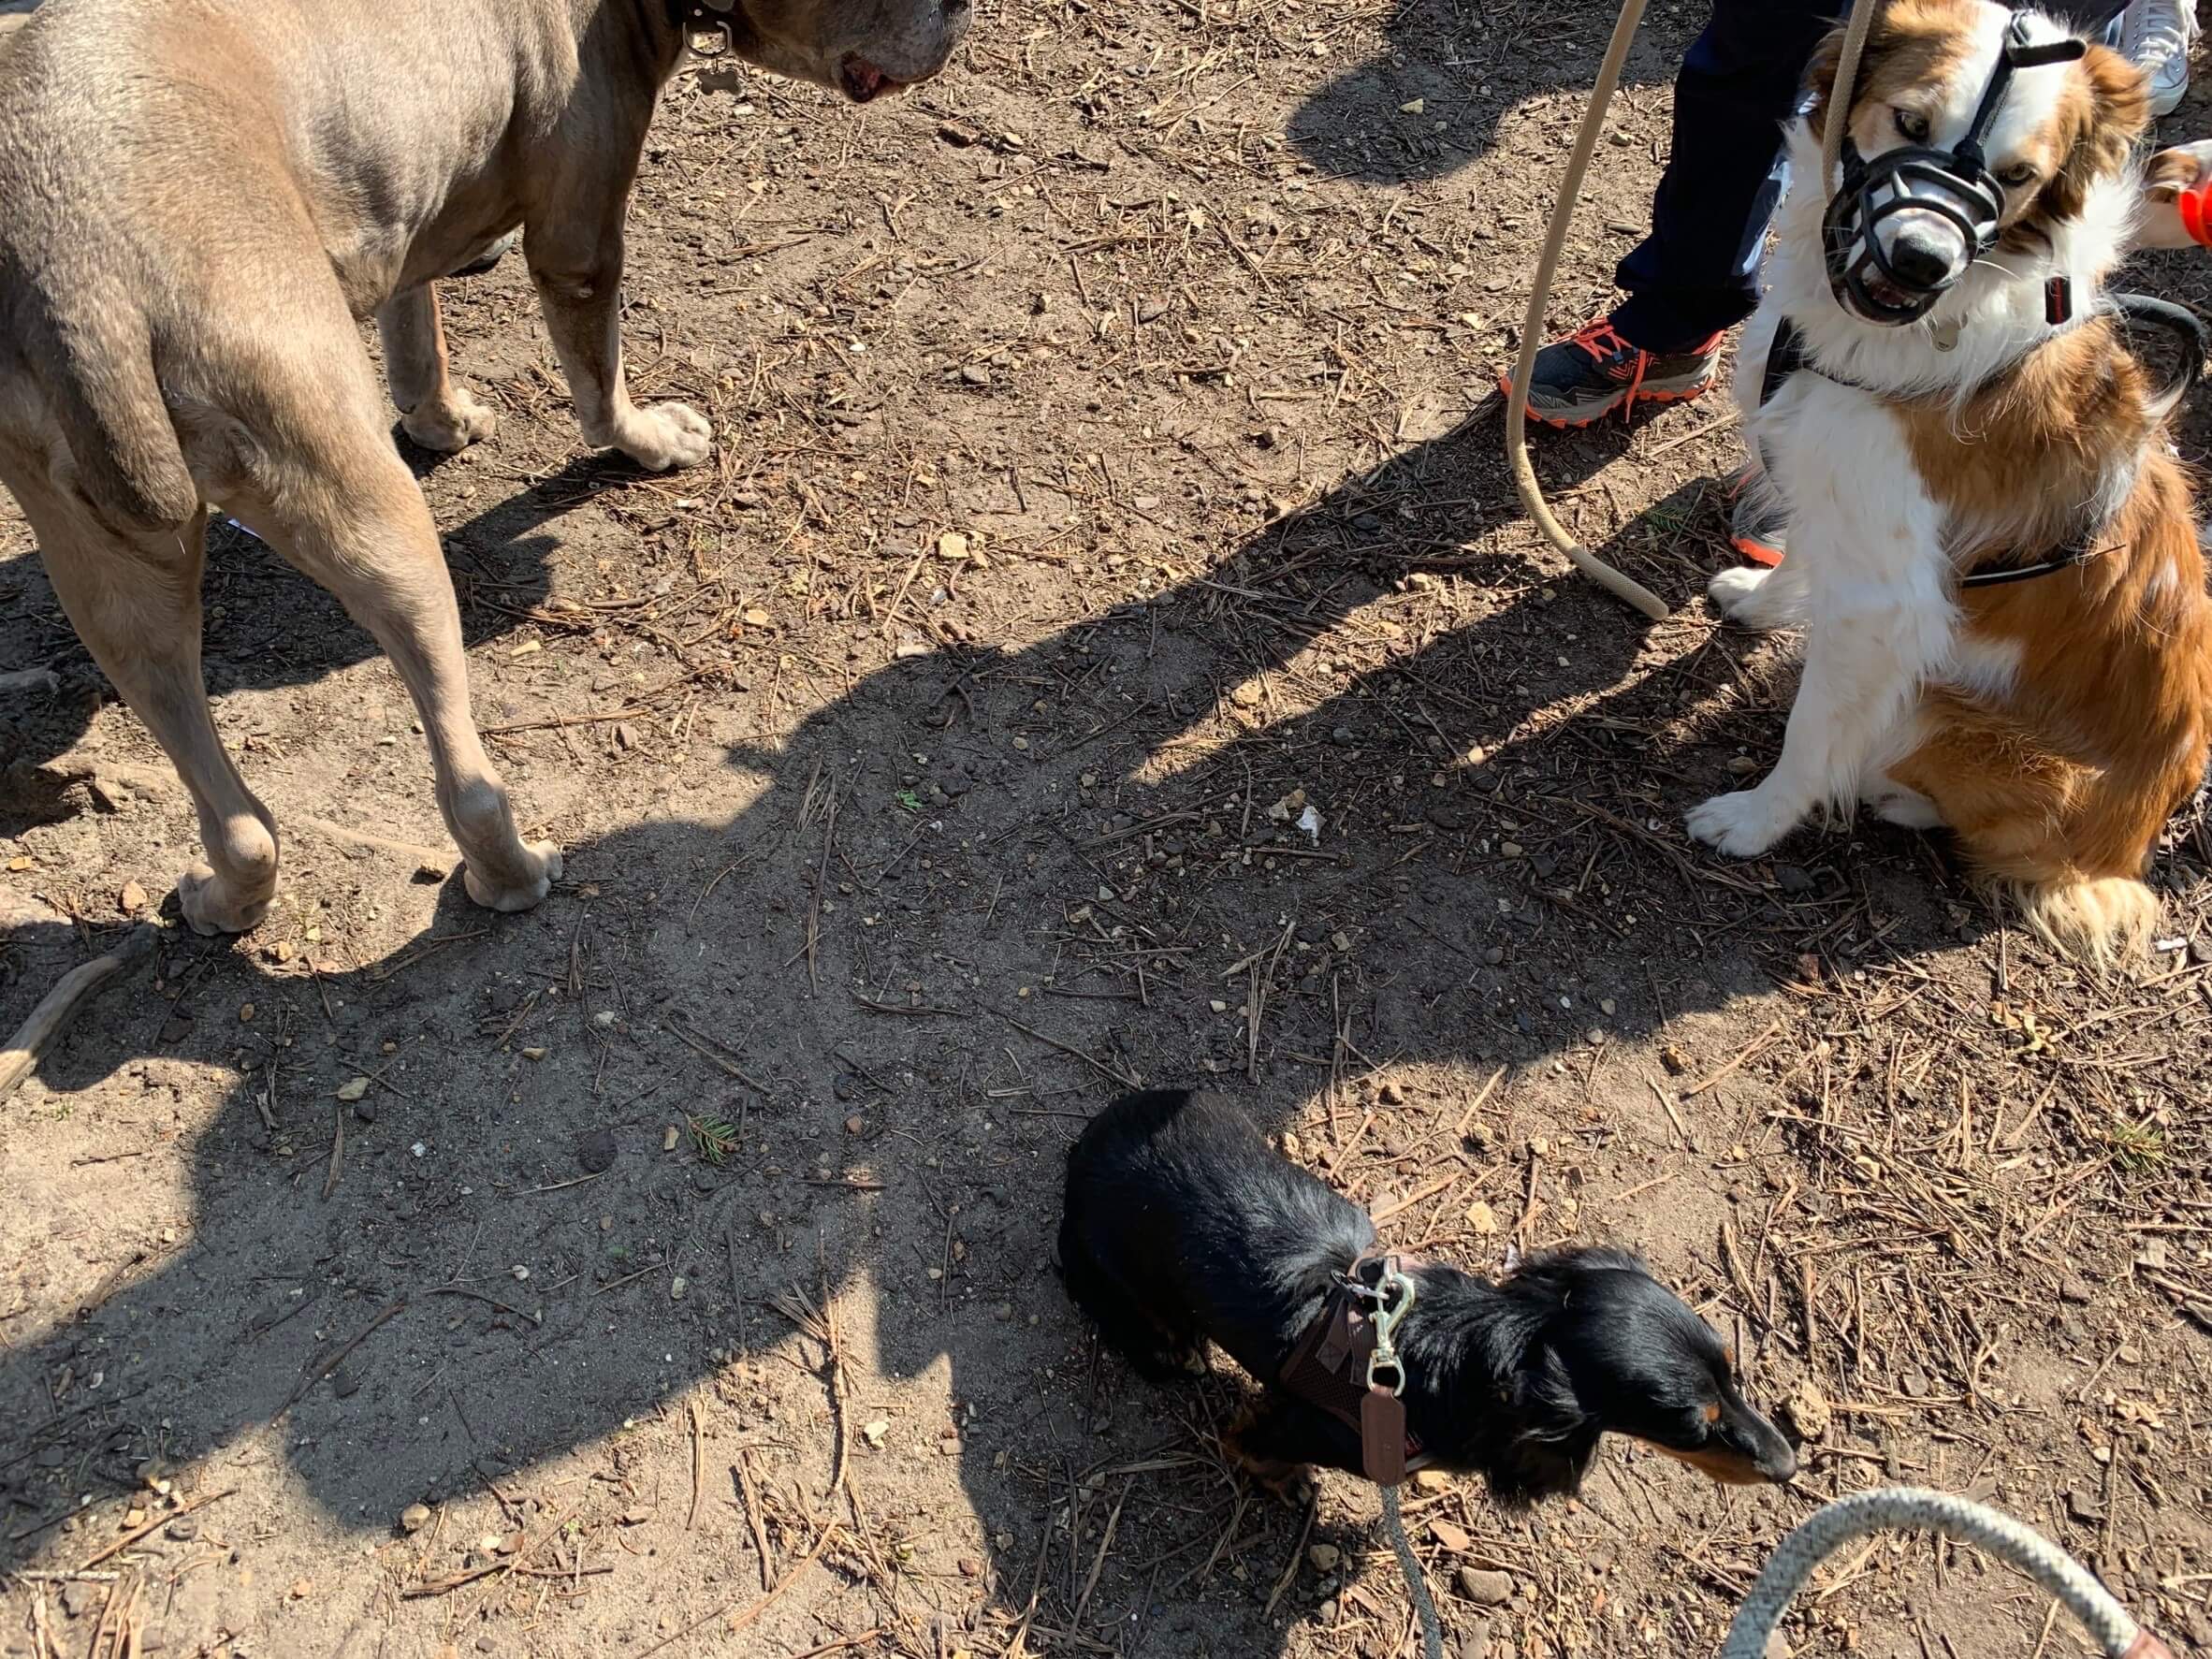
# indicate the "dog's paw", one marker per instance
pixel 451 424
pixel 1745 596
pixel 1743 824
pixel 667 436
pixel 521 888
pixel 212 906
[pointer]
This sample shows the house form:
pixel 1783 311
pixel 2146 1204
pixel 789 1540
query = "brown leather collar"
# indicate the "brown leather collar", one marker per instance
pixel 1328 1370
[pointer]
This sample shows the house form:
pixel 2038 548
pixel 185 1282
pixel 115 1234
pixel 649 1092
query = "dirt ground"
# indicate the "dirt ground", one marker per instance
pixel 1106 474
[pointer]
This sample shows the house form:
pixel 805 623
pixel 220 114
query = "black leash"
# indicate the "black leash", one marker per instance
pixel 1788 355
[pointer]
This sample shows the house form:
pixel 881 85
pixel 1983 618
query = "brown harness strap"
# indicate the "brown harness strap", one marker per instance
pixel 1328 1370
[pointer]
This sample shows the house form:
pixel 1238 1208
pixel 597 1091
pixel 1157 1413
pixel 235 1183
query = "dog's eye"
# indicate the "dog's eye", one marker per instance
pixel 1911 125
pixel 2013 177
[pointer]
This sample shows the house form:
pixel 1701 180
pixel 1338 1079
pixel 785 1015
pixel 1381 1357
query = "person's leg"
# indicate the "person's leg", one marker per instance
pixel 1694 276
pixel 1697 273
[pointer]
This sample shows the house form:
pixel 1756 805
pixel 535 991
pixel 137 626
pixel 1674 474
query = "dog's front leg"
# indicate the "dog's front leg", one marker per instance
pixel 1880 618
pixel 575 258
pixel 435 413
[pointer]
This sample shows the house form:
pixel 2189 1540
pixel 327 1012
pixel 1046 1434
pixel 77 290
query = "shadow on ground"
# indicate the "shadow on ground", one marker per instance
pixel 965 902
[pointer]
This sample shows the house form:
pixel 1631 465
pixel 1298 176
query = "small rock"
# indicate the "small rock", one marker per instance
pixel 1509 849
pixel 1246 697
pixel 2076 1290
pixel 415 1518
pixel 873 1432
pixel 132 899
pixel 1776 1646
pixel 970 1568
pixel 1793 879
pixel 845 1088
pixel 1743 764
pixel 1482 1218
pixel 182 1530
pixel 1325 1557
pixel 1453 1537
pixel 855 1124
pixel 1485 1587
pixel 595 1151
pixel 2084 1506
pixel 353 1088
pixel 2199 948
pixel 1433 1480
pixel 976 374
pixel 1495 955
pixel 953 545
pixel 1344 738
pixel 636 1517
pixel 1808 1411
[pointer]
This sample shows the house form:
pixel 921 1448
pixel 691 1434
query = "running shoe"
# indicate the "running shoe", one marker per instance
pixel 1588 375
pixel 2156 34
pixel 1757 525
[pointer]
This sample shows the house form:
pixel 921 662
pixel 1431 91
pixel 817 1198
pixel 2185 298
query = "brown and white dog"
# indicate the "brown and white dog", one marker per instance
pixel 198 200
pixel 2052 724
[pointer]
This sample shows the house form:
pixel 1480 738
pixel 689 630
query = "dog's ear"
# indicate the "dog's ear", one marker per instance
pixel 2106 109
pixel 1550 1440
pixel 1889 27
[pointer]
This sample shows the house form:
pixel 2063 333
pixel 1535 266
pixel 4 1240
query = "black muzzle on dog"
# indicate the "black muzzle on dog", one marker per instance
pixel 1888 284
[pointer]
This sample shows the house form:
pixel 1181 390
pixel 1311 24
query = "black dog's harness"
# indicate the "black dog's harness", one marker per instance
pixel 1788 356
pixel 1346 1364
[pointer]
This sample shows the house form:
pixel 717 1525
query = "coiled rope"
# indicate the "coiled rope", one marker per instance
pixel 1918 1509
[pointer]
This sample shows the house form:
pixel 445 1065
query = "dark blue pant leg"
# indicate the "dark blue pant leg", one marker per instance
pixel 1697 273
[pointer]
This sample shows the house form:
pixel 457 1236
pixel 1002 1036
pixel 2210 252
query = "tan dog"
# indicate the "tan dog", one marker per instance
pixel 199 199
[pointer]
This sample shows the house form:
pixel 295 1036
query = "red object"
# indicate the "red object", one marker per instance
pixel 2193 203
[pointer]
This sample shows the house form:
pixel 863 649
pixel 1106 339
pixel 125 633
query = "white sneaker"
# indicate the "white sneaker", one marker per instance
pixel 2156 36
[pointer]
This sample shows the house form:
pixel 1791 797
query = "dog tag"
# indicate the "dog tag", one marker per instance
pixel 1382 1436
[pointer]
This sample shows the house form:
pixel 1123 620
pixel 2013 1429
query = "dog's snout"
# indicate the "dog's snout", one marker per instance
pixel 1920 260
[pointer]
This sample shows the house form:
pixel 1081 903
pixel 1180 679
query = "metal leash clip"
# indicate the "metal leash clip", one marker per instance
pixel 1389 1310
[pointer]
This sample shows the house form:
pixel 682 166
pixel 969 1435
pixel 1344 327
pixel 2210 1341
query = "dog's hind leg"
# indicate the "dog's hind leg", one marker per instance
pixel 326 487
pixel 435 413
pixel 135 601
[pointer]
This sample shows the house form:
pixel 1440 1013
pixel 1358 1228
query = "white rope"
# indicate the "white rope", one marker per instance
pixel 1898 1508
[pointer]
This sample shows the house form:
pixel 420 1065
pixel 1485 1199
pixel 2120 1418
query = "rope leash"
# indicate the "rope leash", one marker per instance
pixel 1917 1509
pixel 1417 1586
pixel 1894 1509
pixel 1562 215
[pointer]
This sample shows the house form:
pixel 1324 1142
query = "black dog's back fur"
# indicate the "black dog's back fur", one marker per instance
pixel 1157 1173
pixel 1182 1226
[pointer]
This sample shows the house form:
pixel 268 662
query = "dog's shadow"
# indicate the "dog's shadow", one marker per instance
pixel 831 1052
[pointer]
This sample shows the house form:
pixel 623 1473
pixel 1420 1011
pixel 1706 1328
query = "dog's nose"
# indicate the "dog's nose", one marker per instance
pixel 1918 262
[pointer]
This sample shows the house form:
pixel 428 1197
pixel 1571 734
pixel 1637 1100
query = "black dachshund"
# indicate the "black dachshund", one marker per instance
pixel 1182 1226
